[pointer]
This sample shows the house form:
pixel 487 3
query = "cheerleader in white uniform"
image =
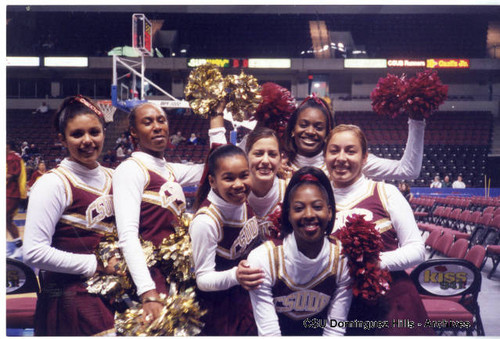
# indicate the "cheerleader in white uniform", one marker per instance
pixel 306 284
pixel 148 198
pixel 383 204
pixel 70 210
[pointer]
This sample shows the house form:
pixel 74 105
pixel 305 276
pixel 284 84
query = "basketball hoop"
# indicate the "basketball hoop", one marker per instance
pixel 107 108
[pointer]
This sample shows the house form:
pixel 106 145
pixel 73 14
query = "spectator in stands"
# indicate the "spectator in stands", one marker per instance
pixel 42 168
pixel 177 138
pixel 436 183
pixel 459 183
pixel 42 109
pixel 16 184
pixel 404 188
pixel 120 153
pixel 122 140
pixel 57 144
pixel 193 139
pixel 446 182
pixel 24 150
pixel 31 165
pixel 109 158
pixel 33 151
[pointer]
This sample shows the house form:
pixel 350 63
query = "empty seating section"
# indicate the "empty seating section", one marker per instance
pixel 458 227
pixel 455 142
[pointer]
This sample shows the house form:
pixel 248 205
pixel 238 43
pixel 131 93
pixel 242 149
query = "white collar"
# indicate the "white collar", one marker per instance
pixel 317 161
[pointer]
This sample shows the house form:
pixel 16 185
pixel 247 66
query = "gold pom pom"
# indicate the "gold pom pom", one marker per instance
pixel 205 89
pixel 175 253
pixel 243 95
pixel 180 316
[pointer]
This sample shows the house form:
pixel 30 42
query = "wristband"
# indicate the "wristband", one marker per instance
pixel 152 300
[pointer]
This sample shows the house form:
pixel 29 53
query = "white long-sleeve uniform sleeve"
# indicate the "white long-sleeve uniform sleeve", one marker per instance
pixel 264 311
pixel 47 203
pixel 410 164
pixel 128 185
pixel 411 249
pixel 204 237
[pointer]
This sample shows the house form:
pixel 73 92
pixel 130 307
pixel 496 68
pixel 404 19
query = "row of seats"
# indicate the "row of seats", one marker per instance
pixel 460 218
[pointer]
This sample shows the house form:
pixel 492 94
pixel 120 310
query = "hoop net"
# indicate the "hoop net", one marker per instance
pixel 107 108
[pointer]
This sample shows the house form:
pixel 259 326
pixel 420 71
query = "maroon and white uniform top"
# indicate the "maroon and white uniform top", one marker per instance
pixel 296 287
pixel 69 211
pixel 148 197
pixel 384 205
pixel 267 205
pixel 222 234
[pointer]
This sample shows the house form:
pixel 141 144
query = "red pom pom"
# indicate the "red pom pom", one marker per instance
pixel 362 243
pixel 425 93
pixel 276 107
pixel 275 219
pixel 420 95
pixel 388 97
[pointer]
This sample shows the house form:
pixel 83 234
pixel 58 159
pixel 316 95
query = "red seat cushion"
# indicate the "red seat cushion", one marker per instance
pixel 460 235
pixel 446 310
pixel 493 249
pixel 21 312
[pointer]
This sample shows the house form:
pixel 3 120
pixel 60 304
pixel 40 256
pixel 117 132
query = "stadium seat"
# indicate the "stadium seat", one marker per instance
pixel 442 244
pixel 22 291
pixel 476 255
pixel 458 249
pixel 442 303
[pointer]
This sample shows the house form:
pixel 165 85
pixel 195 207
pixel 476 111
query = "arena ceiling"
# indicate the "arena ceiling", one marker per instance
pixel 242 31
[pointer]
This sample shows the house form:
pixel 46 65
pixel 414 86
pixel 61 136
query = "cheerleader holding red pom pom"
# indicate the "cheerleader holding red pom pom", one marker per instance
pixel 402 245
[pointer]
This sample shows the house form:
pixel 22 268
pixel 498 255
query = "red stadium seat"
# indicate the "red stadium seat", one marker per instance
pixel 458 249
pixel 458 303
pixel 22 291
pixel 442 244
pixel 476 255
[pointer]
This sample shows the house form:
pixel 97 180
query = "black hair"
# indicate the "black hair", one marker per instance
pixel 211 167
pixel 319 180
pixel 261 133
pixel 289 142
pixel 72 107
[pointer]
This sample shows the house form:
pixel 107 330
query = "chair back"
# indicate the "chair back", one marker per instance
pixel 21 278
pixel 476 255
pixel 431 239
pixel 447 277
pixel 458 249
pixel 443 243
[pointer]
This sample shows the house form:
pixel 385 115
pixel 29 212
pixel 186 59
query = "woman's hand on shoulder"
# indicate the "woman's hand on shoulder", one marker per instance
pixel 249 278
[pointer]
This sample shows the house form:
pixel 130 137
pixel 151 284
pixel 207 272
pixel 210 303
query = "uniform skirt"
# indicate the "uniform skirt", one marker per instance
pixel 65 308
pixel 400 312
